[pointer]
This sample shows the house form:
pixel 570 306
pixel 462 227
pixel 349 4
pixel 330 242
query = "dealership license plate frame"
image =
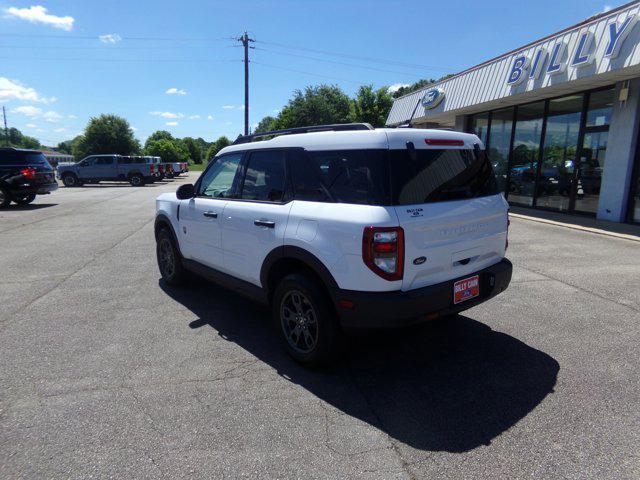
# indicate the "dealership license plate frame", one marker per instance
pixel 470 288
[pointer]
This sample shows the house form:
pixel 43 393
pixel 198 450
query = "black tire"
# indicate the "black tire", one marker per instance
pixel 169 259
pixel 70 180
pixel 25 200
pixel 136 180
pixel 318 338
pixel 5 198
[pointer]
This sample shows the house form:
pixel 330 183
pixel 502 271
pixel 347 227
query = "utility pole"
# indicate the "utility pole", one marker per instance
pixel 6 130
pixel 245 43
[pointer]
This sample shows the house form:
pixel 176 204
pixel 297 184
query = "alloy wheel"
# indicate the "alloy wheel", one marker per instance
pixel 299 321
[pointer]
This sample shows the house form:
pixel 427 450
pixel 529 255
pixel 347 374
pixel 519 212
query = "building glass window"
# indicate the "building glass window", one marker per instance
pixel 600 108
pixel 499 142
pixel 480 126
pixel 635 192
pixel 559 153
pixel 524 156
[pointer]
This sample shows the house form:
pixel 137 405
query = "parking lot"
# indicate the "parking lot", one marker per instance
pixel 106 372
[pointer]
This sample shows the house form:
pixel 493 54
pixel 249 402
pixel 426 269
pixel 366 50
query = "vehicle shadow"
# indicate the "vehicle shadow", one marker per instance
pixel 438 387
pixel 31 206
pixel 115 185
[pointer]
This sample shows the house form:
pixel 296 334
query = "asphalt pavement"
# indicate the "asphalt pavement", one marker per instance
pixel 108 373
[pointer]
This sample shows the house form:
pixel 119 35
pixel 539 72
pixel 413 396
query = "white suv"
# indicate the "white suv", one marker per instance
pixel 341 227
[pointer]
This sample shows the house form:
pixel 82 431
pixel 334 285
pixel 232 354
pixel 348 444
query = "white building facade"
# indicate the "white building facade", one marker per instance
pixel 559 117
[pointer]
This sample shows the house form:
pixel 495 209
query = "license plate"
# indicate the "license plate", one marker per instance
pixel 466 289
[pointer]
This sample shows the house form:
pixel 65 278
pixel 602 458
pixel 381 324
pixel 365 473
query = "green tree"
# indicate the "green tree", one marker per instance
pixel 195 153
pixel 372 106
pixel 158 135
pixel 413 87
pixel 267 124
pixel 323 104
pixel 216 146
pixel 168 150
pixel 106 134
pixel 17 139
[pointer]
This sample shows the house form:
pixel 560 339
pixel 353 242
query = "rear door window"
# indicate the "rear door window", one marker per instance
pixel 104 161
pixel 264 178
pixel 439 175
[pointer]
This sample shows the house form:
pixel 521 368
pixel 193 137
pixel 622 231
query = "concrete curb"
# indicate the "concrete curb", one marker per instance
pixel 597 231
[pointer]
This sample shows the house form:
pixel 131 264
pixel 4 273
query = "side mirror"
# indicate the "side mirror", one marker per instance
pixel 185 191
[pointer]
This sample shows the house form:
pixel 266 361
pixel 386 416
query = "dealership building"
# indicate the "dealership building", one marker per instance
pixel 559 117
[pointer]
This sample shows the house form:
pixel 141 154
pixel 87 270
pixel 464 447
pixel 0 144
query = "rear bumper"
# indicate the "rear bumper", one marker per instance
pixel 39 189
pixel 398 308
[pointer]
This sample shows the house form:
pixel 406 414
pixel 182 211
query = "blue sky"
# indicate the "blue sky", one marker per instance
pixel 175 66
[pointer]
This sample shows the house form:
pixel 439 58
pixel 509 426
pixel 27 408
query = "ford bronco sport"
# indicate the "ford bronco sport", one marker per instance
pixel 342 227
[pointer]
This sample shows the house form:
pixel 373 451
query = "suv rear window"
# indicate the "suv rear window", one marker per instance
pixel 440 175
pixel 22 158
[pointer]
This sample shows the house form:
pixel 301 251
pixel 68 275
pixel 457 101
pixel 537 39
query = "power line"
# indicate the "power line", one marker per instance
pixel 358 57
pixel 339 63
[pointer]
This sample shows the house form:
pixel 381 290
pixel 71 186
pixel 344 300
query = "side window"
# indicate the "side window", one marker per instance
pixel 306 178
pixel 218 179
pixel 264 178
pixel 105 161
pixel 88 161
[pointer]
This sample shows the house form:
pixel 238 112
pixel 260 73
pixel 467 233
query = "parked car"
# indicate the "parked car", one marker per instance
pixel 23 175
pixel 342 230
pixel 96 168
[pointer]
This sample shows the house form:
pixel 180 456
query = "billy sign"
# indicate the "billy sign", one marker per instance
pixel 551 60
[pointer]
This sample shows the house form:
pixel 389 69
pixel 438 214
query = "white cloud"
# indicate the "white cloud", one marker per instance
pixel 111 38
pixel 194 117
pixel 35 112
pixel 40 130
pixel 276 111
pixel 176 91
pixel 167 114
pixel 60 130
pixel 227 123
pixel 31 125
pixel 396 86
pixel 72 117
pixel 13 90
pixel 51 116
pixel 135 129
pixel 172 124
pixel 240 107
pixel 606 8
pixel 228 107
pixel 38 14
pixel 209 117
pixel 28 111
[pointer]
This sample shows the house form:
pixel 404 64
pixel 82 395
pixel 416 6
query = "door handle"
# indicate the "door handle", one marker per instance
pixel 210 214
pixel 264 223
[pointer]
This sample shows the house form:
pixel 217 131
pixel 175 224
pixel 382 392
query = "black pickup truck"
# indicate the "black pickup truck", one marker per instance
pixel 23 175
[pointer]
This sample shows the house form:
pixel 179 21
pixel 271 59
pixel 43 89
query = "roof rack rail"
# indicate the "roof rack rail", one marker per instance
pixel 338 127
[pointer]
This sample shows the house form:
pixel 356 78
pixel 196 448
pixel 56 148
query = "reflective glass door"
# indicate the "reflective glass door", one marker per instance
pixel 589 171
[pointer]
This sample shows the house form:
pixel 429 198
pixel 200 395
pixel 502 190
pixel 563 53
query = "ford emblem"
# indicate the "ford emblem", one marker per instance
pixel 432 98
pixel 419 260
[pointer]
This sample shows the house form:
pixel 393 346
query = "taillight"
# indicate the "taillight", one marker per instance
pixel 160 169
pixel 28 173
pixel 383 251
pixel 444 142
pixel 152 168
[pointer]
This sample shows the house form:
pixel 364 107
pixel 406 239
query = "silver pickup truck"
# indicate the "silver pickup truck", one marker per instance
pixel 96 168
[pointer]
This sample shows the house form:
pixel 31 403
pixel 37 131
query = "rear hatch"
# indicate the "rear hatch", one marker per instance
pixel 31 166
pixel 447 202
